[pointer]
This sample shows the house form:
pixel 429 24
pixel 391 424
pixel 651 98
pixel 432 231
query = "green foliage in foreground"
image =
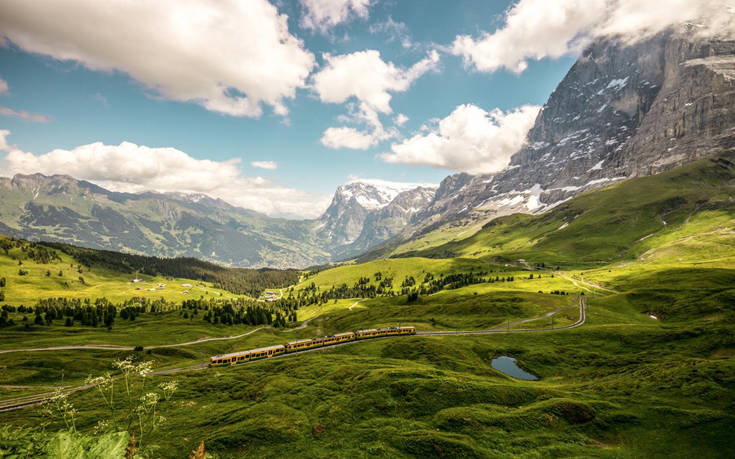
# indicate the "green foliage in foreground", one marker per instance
pixel 26 443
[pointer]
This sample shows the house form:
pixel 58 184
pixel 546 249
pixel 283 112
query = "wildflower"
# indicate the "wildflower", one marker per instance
pixel 102 426
pixel 144 369
pixel 150 399
pixel 168 388
pixel 125 365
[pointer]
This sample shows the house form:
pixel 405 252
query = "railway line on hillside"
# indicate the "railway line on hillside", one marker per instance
pixel 30 400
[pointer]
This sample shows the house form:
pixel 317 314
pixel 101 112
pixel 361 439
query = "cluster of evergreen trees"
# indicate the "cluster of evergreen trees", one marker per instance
pixel 433 284
pixel 240 311
pixel 35 251
pixel 366 287
pixel 100 312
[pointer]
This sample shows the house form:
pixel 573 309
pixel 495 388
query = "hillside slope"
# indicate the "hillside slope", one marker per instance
pixel 621 111
pixel 621 222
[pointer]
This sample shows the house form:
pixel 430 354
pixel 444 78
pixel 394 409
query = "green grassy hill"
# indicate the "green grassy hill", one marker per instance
pixel 63 209
pixel 42 270
pixel 621 222
pixel 651 373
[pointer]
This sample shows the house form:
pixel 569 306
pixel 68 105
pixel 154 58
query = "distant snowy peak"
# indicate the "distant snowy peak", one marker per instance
pixel 371 201
pixel 376 194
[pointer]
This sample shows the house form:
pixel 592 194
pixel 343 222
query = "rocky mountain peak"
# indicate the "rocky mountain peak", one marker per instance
pixel 622 110
pixel 343 221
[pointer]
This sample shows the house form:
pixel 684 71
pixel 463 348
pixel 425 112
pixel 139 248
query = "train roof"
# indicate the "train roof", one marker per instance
pixel 260 349
pixel 308 340
pixel 368 330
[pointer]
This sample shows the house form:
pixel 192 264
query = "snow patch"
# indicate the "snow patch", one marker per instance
pixel 618 83
pixel 596 167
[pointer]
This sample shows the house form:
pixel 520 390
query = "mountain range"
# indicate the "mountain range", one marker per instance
pixel 623 110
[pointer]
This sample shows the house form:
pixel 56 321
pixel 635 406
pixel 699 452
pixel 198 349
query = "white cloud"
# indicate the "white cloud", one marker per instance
pixel 469 139
pixel 324 14
pixel 400 119
pixel 4 133
pixel 22 114
pixel 347 137
pixel 130 167
pixel 230 56
pixel 269 165
pixel 366 77
pixel 535 29
pixel 3 86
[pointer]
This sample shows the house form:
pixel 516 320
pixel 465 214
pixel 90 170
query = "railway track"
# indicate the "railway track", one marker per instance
pixel 31 400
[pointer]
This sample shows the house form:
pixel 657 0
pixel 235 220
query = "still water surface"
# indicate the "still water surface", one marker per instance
pixel 508 366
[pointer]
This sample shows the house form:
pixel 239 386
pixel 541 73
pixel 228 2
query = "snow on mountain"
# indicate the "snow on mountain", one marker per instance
pixel 375 194
pixel 343 221
pixel 622 111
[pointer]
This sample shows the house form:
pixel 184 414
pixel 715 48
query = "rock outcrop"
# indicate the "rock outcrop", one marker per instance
pixel 622 110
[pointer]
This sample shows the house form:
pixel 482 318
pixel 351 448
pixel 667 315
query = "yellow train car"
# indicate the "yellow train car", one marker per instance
pixel 301 345
pixel 392 331
pixel 338 338
pixel 406 330
pixel 369 333
pixel 236 358
pixel 304 344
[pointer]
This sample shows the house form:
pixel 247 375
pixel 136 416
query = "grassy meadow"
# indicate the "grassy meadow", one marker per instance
pixel 650 374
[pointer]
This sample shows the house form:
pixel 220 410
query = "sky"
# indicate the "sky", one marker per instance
pixel 271 105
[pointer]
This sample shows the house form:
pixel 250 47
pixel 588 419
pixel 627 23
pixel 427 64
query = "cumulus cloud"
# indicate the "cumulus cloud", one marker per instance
pixel 324 14
pixel 347 137
pixel 469 139
pixel 535 29
pixel 230 56
pixel 365 77
pixel 269 165
pixel 132 168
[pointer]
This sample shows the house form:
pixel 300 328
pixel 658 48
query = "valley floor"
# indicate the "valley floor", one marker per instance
pixel 621 385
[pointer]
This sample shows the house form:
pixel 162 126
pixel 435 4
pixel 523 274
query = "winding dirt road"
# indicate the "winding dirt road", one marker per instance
pixel 30 400
pixel 585 284
pixel 114 347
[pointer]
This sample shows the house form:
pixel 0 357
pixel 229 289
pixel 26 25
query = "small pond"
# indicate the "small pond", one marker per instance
pixel 508 366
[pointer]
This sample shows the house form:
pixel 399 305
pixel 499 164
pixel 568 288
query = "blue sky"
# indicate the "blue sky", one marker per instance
pixel 64 92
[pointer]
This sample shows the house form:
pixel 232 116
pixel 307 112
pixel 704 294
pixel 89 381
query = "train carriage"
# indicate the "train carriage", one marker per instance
pixel 301 344
pixel 236 358
pixel 304 344
pixel 369 333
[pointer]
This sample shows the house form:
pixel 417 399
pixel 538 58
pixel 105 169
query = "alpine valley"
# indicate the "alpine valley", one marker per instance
pixel 579 301
pixel 621 111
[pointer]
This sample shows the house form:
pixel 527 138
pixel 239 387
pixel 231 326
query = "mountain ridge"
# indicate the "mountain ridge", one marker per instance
pixel 60 208
pixel 621 111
